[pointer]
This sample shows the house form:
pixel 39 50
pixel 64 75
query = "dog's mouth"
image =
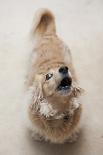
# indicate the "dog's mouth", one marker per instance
pixel 65 84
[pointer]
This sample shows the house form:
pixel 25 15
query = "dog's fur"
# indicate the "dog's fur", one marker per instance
pixel 54 115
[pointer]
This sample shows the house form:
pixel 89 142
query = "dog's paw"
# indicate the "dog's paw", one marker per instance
pixel 37 137
pixel 73 138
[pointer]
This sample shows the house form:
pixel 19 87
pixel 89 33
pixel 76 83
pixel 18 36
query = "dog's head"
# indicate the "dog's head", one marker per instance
pixel 57 82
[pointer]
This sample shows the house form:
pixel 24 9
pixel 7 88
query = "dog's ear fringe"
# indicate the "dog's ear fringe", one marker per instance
pixel 44 23
pixel 36 97
pixel 78 91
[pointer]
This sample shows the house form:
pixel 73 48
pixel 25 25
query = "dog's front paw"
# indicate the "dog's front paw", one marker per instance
pixel 73 138
pixel 37 137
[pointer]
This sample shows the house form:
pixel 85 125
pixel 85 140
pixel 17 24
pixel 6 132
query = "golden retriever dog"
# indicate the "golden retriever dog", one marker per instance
pixel 53 105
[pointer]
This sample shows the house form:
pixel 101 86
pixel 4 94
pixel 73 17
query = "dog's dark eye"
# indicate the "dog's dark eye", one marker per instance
pixel 48 76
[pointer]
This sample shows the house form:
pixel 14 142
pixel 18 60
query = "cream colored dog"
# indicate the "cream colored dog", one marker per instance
pixel 53 106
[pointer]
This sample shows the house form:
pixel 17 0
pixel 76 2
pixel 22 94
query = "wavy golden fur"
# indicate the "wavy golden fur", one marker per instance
pixel 54 115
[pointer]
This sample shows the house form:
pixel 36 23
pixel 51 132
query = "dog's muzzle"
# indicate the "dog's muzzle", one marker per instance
pixel 66 82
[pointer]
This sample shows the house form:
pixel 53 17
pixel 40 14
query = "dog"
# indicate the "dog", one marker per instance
pixel 53 107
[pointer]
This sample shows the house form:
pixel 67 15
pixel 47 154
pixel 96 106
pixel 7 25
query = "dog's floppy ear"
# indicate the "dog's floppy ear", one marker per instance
pixel 37 95
pixel 77 91
pixel 44 23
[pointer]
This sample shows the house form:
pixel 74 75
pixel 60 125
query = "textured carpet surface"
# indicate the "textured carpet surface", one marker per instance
pixel 80 24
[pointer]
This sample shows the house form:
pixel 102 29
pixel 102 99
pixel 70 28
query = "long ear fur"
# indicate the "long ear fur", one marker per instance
pixel 38 103
pixel 77 91
pixel 37 96
pixel 44 23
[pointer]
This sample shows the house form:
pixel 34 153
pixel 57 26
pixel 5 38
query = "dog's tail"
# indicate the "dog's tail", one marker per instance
pixel 44 23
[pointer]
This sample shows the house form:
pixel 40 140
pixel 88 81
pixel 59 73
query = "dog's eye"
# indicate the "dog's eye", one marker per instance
pixel 48 76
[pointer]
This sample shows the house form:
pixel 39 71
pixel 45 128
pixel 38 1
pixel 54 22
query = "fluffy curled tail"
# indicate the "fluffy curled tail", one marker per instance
pixel 44 23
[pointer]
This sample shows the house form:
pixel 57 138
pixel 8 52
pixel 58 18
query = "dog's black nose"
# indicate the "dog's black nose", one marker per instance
pixel 63 70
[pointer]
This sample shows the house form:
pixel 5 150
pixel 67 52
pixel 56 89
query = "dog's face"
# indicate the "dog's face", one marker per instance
pixel 57 81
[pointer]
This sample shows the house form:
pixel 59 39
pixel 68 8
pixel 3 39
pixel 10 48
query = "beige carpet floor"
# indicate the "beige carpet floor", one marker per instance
pixel 80 24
